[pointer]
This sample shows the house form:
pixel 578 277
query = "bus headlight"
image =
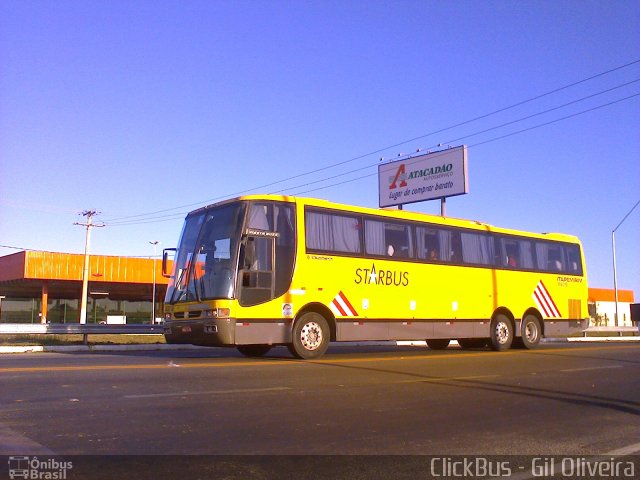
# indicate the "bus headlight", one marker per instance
pixel 217 313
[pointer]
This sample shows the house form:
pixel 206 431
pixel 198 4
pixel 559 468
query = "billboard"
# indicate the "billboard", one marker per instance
pixel 425 177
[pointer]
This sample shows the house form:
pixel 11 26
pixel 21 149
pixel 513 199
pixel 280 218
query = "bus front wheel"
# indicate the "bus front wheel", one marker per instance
pixel 310 336
pixel 501 334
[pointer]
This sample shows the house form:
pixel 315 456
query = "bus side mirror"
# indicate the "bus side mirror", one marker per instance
pixel 165 261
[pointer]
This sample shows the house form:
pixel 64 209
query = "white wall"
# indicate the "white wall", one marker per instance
pixel 609 308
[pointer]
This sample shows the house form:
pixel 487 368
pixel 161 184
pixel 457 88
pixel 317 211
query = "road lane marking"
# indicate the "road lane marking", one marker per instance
pixel 628 450
pixel 209 392
pixel 232 363
pixel 586 369
pixel 447 379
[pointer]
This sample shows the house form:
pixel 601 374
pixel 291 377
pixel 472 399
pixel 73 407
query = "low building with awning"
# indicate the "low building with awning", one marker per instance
pixel 46 287
pixel 602 307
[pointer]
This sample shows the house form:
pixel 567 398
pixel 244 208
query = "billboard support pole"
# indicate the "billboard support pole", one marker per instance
pixel 443 207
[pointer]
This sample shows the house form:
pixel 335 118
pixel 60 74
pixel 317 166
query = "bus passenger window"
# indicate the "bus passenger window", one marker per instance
pixel 398 239
pixel 555 264
pixel 388 239
pixel 550 257
pixel 456 248
pixel 575 264
pixel 428 244
pixel 512 259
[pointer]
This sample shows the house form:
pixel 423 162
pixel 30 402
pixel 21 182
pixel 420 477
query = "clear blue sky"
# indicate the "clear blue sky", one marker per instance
pixel 131 107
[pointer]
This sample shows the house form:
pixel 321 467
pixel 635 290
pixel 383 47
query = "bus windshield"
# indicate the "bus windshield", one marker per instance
pixel 206 260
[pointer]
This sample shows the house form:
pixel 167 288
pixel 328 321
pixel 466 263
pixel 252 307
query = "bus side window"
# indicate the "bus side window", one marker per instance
pixel 511 253
pixel 550 257
pixel 575 263
pixel 477 248
pixel 428 244
pixel 555 262
pixel 399 237
pixel 456 248
pixel 388 239
pixel 332 233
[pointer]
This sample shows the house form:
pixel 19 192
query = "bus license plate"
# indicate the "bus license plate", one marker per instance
pixel 186 329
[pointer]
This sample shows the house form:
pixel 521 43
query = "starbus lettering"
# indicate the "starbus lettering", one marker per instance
pixel 387 278
pixel 431 171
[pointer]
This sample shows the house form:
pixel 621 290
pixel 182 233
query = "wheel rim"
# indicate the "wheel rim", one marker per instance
pixel 502 333
pixel 311 336
pixel 531 332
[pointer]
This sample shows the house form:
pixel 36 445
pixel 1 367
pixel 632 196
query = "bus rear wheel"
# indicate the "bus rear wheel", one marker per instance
pixel 310 336
pixel 438 343
pixel 531 331
pixel 501 333
pixel 253 350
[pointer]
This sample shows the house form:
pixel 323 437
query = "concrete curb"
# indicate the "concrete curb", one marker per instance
pixel 604 339
pixel 94 348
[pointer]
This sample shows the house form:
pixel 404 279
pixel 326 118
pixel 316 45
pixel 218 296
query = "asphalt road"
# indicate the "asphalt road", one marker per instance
pixel 560 399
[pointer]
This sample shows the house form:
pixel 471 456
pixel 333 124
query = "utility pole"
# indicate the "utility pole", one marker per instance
pixel 85 271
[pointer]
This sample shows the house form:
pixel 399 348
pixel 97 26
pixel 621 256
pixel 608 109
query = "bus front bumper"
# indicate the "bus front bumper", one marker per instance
pixel 210 332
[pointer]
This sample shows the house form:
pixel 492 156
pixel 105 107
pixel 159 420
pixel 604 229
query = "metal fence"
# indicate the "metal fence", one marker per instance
pixel 78 329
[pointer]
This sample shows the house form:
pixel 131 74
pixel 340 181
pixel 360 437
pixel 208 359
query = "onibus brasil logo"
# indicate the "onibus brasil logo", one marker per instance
pixel 38 469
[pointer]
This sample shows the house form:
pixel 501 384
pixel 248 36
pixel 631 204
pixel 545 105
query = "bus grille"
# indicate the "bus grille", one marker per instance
pixel 192 314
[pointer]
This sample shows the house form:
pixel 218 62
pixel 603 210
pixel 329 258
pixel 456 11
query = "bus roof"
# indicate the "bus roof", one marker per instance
pixel 396 214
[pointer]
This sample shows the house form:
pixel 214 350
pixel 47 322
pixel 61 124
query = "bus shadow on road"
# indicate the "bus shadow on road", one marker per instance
pixel 492 386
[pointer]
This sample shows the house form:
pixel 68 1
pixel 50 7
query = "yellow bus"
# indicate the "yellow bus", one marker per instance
pixel 264 270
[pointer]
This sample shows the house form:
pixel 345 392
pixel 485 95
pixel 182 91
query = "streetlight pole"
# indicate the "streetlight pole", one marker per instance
pixel 613 247
pixel 153 294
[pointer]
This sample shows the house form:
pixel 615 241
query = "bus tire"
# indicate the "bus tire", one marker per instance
pixel 310 336
pixel 256 350
pixel 501 333
pixel 438 343
pixel 531 331
pixel 468 343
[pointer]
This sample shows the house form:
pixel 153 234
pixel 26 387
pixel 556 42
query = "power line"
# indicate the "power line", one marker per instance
pixel 468 147
pixel 477 133
pixel 19 248
pixel 158 219
pixel 327 167
pixel 366 167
